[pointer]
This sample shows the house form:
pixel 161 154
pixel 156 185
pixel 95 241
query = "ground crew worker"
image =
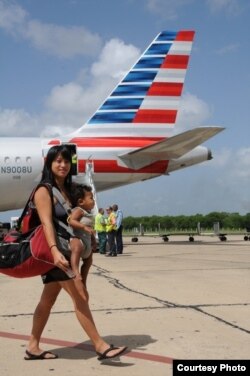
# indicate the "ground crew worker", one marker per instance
pixel 100 228
pixel 111 231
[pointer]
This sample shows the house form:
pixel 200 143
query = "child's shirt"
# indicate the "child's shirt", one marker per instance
pixel 87 220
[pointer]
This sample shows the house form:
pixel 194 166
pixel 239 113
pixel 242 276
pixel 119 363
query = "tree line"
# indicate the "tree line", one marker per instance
pixel 230 221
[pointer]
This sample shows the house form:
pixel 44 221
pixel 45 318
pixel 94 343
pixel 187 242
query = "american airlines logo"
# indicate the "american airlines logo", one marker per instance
pixel 16 170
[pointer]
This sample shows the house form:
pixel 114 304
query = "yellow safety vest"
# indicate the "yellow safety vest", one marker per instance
pixel 111 222
pixel 99 225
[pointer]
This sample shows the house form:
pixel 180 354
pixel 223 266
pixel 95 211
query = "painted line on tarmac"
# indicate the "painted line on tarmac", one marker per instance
pixel 86 347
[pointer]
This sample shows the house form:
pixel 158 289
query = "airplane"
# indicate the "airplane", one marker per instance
pixel 131 136
pixel 191 234
pixel 222 235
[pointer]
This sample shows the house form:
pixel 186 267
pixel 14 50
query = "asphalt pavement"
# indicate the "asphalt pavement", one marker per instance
pixel 164 300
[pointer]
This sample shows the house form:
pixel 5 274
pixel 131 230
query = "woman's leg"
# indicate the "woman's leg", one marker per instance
pixel 86 320
pixel 41 315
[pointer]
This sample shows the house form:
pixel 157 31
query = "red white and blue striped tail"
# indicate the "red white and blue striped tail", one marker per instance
pixel 146 101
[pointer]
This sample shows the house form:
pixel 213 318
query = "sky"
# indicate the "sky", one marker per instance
pixel 52 54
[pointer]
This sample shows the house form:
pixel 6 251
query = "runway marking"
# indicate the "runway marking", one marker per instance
pixel 86 347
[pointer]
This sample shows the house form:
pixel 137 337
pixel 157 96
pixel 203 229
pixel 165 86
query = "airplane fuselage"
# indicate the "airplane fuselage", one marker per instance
pixel 22 159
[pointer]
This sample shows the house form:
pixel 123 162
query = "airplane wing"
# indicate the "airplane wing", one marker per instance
pixel 169 148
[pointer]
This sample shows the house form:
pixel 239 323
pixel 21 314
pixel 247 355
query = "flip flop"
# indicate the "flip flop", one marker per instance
pixel 41 356
pixel 104 355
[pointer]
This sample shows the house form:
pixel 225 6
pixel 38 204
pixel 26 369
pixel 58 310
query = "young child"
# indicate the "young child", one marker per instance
pixel 81 221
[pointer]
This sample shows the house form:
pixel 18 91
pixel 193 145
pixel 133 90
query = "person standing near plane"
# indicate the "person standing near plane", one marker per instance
pixel 57 172
pixel 100 228
pixel 111 229
pixel 119 228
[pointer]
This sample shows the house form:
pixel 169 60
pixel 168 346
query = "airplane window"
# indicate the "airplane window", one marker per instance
pixel 18 160
pixel 28 159
pixel 7 160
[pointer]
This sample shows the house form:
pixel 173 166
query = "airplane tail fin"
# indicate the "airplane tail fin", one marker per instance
pixel 146 101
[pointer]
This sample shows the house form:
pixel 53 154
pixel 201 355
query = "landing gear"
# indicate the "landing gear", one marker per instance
pixel 222 237
pixel 165 238
pixel 134 239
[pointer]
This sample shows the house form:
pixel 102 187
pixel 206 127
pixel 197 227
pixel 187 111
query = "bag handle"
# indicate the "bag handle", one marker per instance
pixel 30 204
pixel 53 191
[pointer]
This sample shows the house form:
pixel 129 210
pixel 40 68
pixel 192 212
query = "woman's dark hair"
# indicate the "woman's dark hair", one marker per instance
pixel 47 175
pixel 78 192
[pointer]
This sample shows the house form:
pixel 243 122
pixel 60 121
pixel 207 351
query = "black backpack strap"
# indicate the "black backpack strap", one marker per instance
pixel 57 194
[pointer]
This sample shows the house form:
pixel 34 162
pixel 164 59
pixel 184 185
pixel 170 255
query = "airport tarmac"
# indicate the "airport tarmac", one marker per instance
pixel 165 301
